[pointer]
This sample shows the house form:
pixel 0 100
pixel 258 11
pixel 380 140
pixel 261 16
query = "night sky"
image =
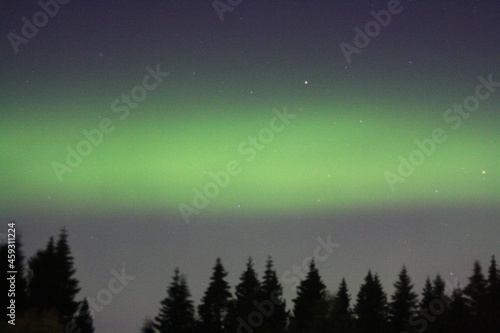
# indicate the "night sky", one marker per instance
pixel 165 134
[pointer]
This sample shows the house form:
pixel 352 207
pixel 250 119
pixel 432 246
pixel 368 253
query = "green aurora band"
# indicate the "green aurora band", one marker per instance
pixel 333 155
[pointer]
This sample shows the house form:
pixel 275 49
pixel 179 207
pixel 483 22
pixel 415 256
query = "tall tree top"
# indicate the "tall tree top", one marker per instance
pixel 177 311
pixel 342 299
pixel 493 275
pixel 215 303
pixel 249 287
pixel 84 320
pixel 477 283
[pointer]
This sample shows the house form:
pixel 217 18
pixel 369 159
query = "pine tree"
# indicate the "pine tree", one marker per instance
pixel 272 295
pixel 247 292
pixel 83 320
pixel 67 285
pixel 433 308
pixel 310 306
pixel 475 293
pixel 493 297
pixel 371 306
pixel 51 285
pixel 342 320
pixel 439 287
pixel 177 311
pixel 403 304
pixel 440 306
pixel 423 321
pixel 215 303
pixel 459 320
pixel 42 286
pixel 427 295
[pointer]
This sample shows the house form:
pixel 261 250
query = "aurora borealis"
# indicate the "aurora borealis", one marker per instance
pixel 155 105
pixel 331 155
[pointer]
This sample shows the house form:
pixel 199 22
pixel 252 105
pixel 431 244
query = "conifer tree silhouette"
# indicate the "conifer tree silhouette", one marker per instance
pixel 371 306
pixel 215 303
pixel 272 293
pixel 84 322
pixel 310 305
pixel 403 304
pixel 493 297
pixel 177 311
pixel 341 317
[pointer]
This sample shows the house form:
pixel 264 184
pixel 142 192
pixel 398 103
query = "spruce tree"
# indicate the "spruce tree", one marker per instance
pixel 177 311
pixel 493 297
pixel 427 295
pixel 51 286
pixel 423 320
pixel 310 306
pixel 371 306
pixel 475 297
pixel 215 303
pixel 66 284
pixel 440 305
pixel 439 287
pixel 84 322
pixel 342 320
pixel 272 296
pixel 247 292
pixel 42 286
pixel 458 317
pixel 403 304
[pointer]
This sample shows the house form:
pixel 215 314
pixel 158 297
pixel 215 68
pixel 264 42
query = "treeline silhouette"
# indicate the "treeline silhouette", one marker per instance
pixel 45 292
pixel 259 306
